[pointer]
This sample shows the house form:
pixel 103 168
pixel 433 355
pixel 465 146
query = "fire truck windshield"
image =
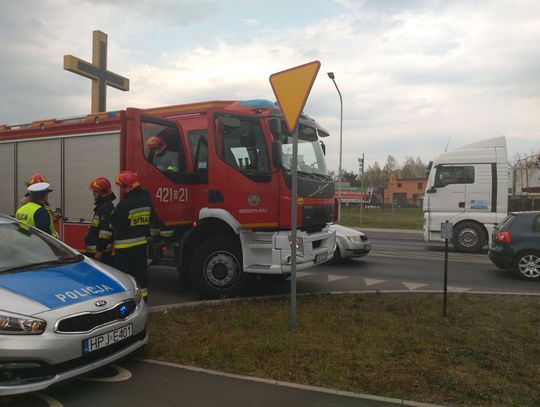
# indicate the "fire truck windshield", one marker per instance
pixel 311 160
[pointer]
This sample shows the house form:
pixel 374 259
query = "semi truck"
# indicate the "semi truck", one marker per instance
pixel 222 181
pixel 470 187
pixel 467 187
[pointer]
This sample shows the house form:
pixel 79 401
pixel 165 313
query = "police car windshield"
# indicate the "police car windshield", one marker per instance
pixel 21 248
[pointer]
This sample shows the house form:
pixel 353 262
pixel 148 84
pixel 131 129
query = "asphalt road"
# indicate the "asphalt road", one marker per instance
pixel 398 261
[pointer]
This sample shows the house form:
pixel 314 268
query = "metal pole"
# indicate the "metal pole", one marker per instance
pixel 294 199
pixel 331 76
pixel 445 274
pixel 361 189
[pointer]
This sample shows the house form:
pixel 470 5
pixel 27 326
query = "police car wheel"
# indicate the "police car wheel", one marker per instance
pixel 216 268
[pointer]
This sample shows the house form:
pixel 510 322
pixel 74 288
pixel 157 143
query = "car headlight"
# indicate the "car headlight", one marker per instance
pixel 299 246
pixel 138 292
pixel 354 239
pixel 21 325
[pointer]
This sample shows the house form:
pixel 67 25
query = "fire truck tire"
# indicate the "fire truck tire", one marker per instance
pixel 216 268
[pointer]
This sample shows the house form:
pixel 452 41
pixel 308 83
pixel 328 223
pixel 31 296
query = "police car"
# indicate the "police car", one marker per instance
pixel 61 314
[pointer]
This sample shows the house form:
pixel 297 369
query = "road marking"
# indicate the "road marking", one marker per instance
pixel 413 286
pixel 52 402
pixel 335 278
pixel 120 376
pixel 370 281
pixel 458 289
pixel 300 274
pixel 453 257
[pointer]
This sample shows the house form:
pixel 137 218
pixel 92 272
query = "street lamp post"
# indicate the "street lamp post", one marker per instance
pixel 332 76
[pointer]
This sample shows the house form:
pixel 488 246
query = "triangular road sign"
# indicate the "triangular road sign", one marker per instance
pixel 291 88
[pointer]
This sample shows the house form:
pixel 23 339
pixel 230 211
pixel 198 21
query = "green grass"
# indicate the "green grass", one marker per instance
pixel 398 218
pixel 485 353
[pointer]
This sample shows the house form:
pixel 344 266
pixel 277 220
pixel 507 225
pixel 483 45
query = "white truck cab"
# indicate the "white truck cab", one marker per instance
pixel 467 187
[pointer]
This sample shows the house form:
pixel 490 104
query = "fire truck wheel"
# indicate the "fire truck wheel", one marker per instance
pixel 216 268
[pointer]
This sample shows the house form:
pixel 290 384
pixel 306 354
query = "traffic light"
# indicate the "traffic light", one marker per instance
pixel 361 164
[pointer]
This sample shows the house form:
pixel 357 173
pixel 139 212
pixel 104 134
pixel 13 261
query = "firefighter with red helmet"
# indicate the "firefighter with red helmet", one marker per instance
pixel 100 234
pixel 160 234
pixel 131 223
pixel 163 158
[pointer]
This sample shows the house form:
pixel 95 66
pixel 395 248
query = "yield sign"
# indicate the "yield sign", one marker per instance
pixel 292 88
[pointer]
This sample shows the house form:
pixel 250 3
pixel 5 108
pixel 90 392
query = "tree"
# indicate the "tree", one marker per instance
pixel 413 168
pixel 373 176
pixel 391 167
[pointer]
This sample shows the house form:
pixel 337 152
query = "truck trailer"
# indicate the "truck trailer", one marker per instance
pixel 222 181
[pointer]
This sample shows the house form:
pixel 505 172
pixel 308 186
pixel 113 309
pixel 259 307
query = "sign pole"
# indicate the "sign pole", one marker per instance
pixel 294 199
pixel 292 88
pixel 446 233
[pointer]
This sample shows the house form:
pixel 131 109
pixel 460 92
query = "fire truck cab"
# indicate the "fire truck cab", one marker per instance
pixel 221 179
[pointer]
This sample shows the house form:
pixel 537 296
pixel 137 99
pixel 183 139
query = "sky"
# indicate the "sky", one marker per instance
pixel 416 76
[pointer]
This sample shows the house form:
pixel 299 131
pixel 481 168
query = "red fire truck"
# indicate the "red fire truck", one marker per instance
pixel 222 179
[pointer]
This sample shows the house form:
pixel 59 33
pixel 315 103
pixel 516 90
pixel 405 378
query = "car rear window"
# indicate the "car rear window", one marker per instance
pixel 506 222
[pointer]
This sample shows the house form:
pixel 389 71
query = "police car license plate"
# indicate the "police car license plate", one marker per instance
pixel 107 339
pixel 321 257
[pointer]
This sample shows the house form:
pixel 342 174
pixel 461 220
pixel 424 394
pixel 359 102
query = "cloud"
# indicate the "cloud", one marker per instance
pixel 413 74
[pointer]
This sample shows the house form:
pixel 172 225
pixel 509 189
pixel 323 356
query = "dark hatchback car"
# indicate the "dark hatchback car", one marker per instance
pixel 516 244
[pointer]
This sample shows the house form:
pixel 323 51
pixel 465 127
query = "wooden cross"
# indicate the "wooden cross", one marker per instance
pixel 97 71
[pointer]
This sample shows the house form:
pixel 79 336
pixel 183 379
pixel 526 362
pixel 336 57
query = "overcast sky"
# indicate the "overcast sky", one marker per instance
pixel 415 75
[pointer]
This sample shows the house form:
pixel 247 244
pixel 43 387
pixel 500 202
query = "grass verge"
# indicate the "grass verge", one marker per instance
pixel 399 218
pixel 485 353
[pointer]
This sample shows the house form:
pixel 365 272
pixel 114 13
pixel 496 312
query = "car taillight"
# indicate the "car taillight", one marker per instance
pixel 503 237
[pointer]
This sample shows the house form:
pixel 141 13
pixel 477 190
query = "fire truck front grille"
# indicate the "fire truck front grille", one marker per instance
pixel 314 217
pixel 87 322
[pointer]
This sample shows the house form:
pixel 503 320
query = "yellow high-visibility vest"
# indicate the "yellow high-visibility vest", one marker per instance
pixel 25 215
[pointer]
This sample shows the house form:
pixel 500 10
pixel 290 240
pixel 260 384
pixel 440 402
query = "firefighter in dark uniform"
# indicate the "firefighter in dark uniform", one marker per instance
pixel 35 212
pixel 161 235
pixel 131 223
pixel 99 237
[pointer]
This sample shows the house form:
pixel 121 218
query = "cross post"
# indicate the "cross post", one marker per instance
pixel 97 71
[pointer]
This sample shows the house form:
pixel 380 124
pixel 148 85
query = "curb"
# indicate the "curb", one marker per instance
pixel 295 386
pixel 192 304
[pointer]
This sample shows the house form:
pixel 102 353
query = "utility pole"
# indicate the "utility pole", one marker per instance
pixel 361 174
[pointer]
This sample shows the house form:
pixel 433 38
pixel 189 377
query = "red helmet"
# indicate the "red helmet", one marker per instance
pixel 156 143
pixel 127 180
pixel 101 185
pixel 35 178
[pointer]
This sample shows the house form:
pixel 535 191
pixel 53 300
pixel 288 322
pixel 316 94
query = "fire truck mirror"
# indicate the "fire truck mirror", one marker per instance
pixel 308 133
pixel 277 158
pixel 274 124
pixel 229 121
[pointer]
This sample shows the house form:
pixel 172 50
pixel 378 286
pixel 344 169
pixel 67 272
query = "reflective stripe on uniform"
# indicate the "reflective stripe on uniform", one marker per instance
pixel 166 233
pixel 127 243
pixel 105 234
pixel 154 232
pixel 91 249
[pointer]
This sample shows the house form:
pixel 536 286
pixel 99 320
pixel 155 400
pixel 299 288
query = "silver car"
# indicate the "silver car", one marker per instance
pixel 350 243
pixel 61 314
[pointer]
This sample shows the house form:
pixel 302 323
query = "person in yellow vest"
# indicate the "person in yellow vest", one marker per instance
pixel 33 179
pixel 36 212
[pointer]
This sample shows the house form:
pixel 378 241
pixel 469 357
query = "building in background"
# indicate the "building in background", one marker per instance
pixel 405 192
